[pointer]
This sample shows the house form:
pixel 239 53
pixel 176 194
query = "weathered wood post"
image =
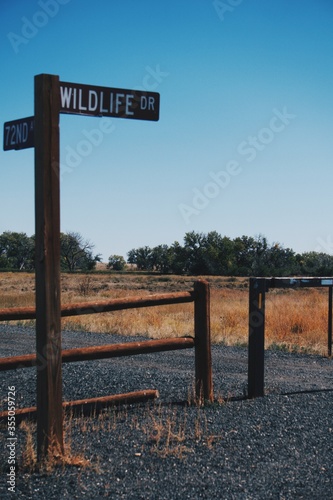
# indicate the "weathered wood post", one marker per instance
pixel 48 309
pixel 256 349
pixel 203 359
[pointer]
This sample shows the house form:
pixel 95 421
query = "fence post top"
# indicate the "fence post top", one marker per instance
pixel 201 282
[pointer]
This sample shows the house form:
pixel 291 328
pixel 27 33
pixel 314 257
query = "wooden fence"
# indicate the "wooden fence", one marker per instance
pixel 256 346
pixel 200 295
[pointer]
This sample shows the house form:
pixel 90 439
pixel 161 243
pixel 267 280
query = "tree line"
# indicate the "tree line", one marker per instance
pixel 204 254
pixel 17 252
pixel 214 254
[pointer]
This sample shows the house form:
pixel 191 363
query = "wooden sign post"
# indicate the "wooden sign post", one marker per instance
pixel 41 131
pixel 48 305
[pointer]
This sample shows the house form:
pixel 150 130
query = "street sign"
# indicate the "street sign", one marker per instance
pixel 19 134
pixel 80 99
pixel 90 100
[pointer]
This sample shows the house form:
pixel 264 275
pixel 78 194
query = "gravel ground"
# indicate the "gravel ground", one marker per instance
pixel 276 447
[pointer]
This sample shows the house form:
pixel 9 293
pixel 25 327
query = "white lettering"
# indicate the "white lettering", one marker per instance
pixel 65 96
pixel 101 109
pixel 18 140
pixel 74 98
pixel 81 107
pixel 151 103
pixel 129 103
pixel 19 133
pixel 118 102
pixel 7 130
pixel 12 140
pixel 25 132
pixel 92 106
pixel 144 101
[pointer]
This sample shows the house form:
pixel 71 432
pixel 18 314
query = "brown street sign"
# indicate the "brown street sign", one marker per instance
pixel 19 134
pixel 90 100
pixel 79 99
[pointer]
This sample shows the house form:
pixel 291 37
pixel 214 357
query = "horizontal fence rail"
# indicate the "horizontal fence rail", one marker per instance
pixel 102 352
pixel 80 308
pixel 87 406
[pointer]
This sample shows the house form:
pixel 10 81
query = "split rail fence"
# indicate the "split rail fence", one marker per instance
pixel 200 295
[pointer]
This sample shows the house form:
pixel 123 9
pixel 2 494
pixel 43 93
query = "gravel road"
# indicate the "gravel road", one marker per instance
pixel 275 447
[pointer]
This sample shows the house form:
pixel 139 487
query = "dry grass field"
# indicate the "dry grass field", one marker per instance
pixel 296 320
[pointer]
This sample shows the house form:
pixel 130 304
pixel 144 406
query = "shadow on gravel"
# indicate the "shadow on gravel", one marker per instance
pixel 313 391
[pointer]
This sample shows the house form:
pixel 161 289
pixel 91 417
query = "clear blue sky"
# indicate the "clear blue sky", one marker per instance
pixel 244 140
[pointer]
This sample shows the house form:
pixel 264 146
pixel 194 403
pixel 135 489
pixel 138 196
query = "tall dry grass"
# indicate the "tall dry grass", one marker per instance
pixel 295 319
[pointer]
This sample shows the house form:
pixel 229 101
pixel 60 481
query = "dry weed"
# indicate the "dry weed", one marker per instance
pixel 167 432
pixel 170 434
pixel 56 456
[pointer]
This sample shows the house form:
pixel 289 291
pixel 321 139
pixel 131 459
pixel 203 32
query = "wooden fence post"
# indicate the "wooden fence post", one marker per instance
pixel 256 349
pixel 203 360
pixel 47 221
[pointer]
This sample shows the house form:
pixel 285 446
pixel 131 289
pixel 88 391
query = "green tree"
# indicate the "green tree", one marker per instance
pixel 178 258
pixel 316 264
pixel 116 263
pixel 218 254
pixel 141 257
pixel 208 253
pixel 194 252
pixel 281 261
pixel 161 259
pixel 260 249
pixel 17 251
pixel 214 254
pixel 76 253
pixel 244 254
